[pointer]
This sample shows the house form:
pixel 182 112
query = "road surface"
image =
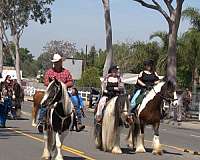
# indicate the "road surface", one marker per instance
pixel 20 141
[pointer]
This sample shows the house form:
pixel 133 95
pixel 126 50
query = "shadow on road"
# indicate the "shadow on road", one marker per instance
pixel 127 151
pixel 73 158
pixel 172 153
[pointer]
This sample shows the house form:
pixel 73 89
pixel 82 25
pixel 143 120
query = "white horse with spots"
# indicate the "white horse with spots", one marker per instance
pixel 107 136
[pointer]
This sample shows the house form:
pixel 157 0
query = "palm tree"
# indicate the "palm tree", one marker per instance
pixel 162 61
pixel 193 15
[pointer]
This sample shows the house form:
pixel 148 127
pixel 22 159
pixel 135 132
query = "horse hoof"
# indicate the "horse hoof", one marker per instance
pixel 116 150
pixel 140 150
pixel 159 152
pixel 34 125
pixel 59 158
pixel 130 146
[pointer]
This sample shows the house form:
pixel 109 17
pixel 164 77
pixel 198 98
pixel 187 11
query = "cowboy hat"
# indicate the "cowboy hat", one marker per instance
pixel 56 58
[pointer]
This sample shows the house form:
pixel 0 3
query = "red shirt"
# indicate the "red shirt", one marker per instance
pixel 63 76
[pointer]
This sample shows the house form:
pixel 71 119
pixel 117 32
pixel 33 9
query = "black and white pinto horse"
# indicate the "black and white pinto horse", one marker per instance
pixel 108 137
pixel 149 113
pixel 59 119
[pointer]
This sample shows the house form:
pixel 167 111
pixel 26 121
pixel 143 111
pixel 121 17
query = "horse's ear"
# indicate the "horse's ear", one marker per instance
pixel 50 79
pixel 56 81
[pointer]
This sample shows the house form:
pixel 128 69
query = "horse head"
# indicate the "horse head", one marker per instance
pixel 53 93
pixel 168 89
pixel 122 106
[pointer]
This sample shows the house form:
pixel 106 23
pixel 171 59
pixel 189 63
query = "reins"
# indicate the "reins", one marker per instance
pixel 163 97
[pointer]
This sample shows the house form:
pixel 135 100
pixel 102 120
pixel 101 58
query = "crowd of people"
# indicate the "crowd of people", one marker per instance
pixel 112 86
pixel 11 96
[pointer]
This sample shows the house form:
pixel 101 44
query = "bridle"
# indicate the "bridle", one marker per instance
pixel 52 105
pixel 168 99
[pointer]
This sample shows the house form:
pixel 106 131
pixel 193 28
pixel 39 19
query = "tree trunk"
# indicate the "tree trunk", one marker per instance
pixel 1 50
pixel 172 45
pixel 108 27
pixel 171 61
pixel 17 60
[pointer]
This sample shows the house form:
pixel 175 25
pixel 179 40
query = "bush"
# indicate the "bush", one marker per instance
pixel 90 78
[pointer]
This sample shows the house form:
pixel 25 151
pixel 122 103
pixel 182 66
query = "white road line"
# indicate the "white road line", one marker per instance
pixel 164 129
pixel 192 135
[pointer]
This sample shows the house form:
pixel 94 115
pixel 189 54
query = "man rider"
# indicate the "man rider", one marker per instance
pixel 60 73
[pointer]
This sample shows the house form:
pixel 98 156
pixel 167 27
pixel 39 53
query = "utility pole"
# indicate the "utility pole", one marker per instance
pixel 86 54
pixel 1 49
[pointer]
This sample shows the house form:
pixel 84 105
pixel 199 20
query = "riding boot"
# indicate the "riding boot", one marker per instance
pixel 41 119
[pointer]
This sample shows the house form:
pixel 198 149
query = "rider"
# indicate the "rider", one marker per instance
pixel 60 73
pixel 77 101
pixel 146 80
pixel 112 86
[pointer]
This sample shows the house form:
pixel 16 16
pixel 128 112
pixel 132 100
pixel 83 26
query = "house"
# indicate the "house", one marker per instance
pixel 7 70
pixel 75 66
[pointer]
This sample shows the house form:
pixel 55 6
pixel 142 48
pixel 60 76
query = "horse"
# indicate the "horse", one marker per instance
pixel 18 98
pixel 58 121
pixel 37 98
pixel 107 136
pixel 149 113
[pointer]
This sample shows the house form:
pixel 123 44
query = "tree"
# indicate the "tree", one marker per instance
pixel 1 49
pixel 173 20
pixel 16 15
pixel 64 48
pixel 90 78
pixel 108 27
pixel 193 14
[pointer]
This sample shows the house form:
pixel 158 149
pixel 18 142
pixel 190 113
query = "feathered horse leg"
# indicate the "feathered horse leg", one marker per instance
pixel 156 142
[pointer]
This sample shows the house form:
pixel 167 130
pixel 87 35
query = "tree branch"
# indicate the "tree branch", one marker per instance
pixel 169 5
pixel 156 7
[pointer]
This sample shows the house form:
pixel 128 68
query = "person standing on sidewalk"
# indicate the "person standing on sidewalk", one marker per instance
pixel 77 101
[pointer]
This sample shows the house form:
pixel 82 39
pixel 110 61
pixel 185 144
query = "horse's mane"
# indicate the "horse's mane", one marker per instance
pixel 120 101
pixel 64 98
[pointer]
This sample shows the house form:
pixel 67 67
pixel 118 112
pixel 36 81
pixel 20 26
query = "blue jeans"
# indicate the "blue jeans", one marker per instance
pixel 42 113
pixel 133 100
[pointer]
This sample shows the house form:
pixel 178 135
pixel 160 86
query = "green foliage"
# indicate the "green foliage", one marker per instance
pixel 90 78
pixel 193 14
pixel 28 65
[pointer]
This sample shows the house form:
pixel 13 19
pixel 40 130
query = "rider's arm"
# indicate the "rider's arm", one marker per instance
pixel 120 85
pixel 104 84
pixel 69 82
pixel 157 80
pixel 139 81
pixel 46 78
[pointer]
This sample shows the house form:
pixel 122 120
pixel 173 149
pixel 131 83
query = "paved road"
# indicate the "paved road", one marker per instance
pixel 22 142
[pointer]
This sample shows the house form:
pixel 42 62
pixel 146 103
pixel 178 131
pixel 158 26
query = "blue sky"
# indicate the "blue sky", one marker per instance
pixel 82 22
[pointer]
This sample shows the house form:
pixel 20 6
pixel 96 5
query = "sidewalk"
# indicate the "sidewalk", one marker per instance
pixel 190 124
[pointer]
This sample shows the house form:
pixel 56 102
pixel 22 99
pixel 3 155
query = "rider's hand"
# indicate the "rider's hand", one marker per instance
pixel 116 88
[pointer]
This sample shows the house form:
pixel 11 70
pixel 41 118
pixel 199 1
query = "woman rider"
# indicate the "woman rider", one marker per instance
pixel 112 86
pixel 146 80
